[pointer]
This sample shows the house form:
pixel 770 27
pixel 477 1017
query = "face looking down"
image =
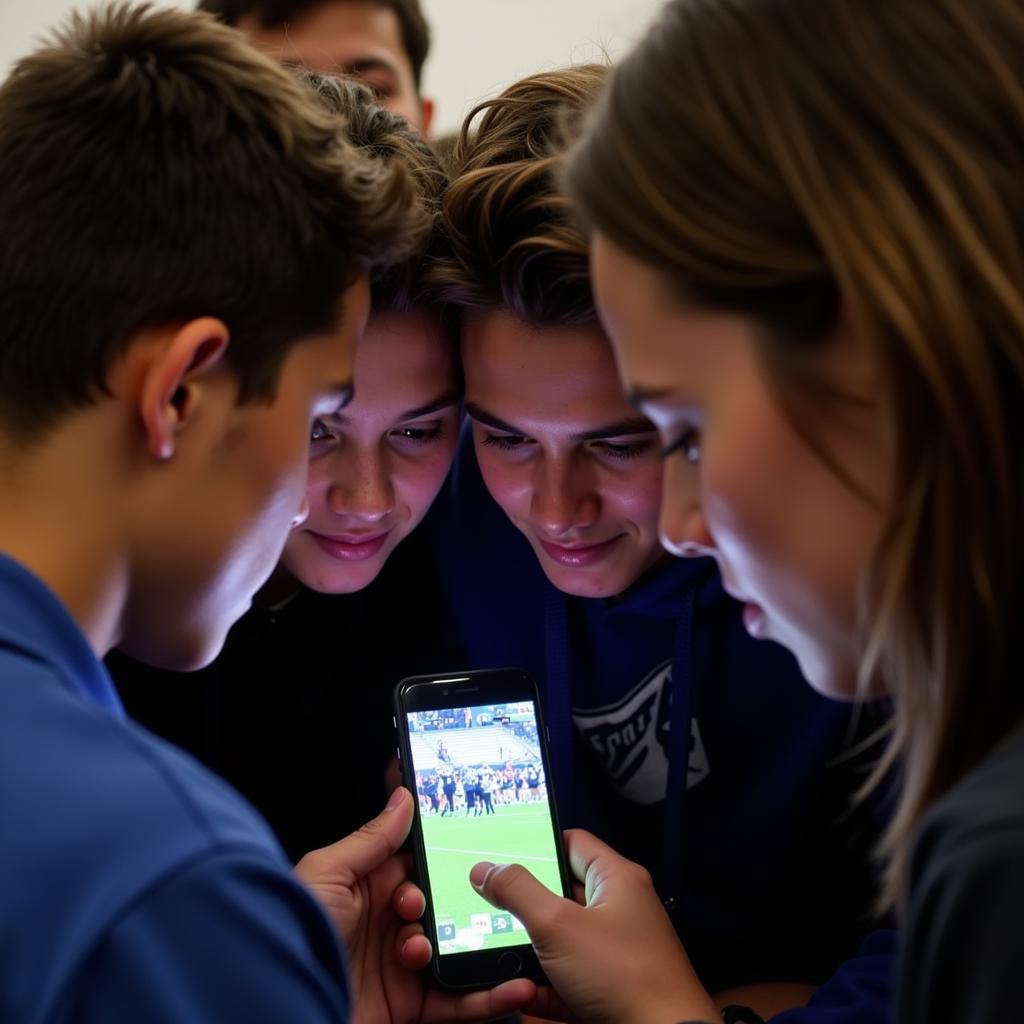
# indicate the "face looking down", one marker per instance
pixel 574 467
pixel 237 489
pixel 791 537
pixel 377 465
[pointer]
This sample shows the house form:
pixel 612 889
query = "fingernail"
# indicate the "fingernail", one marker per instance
pixel 395 800
pixel 479 872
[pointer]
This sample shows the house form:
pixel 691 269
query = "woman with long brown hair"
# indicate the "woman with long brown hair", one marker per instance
pixel 808 250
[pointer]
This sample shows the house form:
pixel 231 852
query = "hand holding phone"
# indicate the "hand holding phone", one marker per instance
pixel 615 959
pixel 473 749
pixel 361 884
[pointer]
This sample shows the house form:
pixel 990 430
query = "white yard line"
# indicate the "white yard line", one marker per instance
pixel 488 853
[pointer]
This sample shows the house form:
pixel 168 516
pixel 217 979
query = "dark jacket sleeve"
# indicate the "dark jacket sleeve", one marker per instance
pixel 859 992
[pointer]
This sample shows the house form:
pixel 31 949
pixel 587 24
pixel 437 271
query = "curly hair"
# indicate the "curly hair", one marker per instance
pixel 387 137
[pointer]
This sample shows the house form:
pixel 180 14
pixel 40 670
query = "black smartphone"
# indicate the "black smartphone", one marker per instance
pixel 473 749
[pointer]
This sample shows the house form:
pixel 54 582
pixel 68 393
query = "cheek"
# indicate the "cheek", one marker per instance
pixel 637 496
pixel 320 477
pixel 734 506
pixel 507 484
pixel 417 481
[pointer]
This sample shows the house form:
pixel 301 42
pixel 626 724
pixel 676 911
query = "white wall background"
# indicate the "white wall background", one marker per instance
pixel 479 47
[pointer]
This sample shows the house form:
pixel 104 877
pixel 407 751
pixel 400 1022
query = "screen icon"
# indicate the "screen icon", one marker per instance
pixel 481 924
pixel 517 925
pixel 501 923
pixel 446 931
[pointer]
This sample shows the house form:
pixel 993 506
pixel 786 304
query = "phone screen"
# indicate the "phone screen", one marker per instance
pixel 483 795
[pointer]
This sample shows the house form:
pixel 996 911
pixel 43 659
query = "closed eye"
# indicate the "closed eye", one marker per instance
pixel 624 449
pixel 505 442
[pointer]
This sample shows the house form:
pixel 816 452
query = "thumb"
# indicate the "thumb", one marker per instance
pixel 372 844
pixel 511 887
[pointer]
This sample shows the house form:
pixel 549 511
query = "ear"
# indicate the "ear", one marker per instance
pixel 426 118
pixel 173 379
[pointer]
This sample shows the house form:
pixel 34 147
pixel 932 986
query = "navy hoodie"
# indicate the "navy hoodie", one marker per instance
pixel 691 748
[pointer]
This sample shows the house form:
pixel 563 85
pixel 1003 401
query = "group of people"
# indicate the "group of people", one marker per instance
pixel 475 787
pixel 683 384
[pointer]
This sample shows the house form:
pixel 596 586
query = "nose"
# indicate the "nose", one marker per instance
pixel 362 488
pixel 303 512
pixel 564 496
pixel 683 528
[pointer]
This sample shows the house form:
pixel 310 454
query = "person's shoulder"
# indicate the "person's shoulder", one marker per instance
pixel 972 836
pixel 105 779
pixel 984 806
pixel 962 943
pixel 97 813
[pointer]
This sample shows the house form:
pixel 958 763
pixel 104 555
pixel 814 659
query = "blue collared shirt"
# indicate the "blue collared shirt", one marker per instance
pixel 134 885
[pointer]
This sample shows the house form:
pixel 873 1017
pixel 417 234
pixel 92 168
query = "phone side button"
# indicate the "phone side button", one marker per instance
pixel 509 965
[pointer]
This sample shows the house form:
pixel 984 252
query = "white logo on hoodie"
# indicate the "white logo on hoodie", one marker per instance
pixel 632 738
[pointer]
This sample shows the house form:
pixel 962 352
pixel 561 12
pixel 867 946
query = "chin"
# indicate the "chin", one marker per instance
pixel 175 653
pixel 829 676
pixel 578 584
pixel 330 581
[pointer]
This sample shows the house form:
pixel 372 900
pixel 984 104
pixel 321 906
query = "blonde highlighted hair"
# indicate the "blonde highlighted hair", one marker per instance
pixel 785 159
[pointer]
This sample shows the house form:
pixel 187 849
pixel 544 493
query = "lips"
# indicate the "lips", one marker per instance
pixel 351 547
pixel 579 556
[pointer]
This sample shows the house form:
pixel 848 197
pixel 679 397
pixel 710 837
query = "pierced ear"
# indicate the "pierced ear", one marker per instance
pixel 174 378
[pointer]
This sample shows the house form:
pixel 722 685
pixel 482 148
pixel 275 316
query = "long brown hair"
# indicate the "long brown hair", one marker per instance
pixel 786 159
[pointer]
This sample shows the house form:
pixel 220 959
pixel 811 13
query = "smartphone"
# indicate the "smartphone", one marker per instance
pixel 473 749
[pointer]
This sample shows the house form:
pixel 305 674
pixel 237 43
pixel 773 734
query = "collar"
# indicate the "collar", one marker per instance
pixel 35 624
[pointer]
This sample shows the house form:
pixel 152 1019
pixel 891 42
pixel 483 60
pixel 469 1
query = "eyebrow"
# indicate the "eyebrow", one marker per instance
pixel 441 402
pixel 635 425
pixel 362 65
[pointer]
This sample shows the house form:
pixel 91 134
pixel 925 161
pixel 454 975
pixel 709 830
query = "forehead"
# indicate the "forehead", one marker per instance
pixel 554 375
pixel 399 351
pixel 642 322
pixel 332 35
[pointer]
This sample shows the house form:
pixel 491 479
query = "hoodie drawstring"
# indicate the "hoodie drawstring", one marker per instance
pixel 680 732
pixel 557 696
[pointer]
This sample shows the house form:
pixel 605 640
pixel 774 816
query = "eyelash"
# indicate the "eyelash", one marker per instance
pixel 425 435
pixel 629 450
pixel 688 443
pixel 505 442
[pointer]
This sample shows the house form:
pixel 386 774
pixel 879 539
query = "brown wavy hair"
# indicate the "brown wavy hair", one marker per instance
pixel 514 240
pixel 770 158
